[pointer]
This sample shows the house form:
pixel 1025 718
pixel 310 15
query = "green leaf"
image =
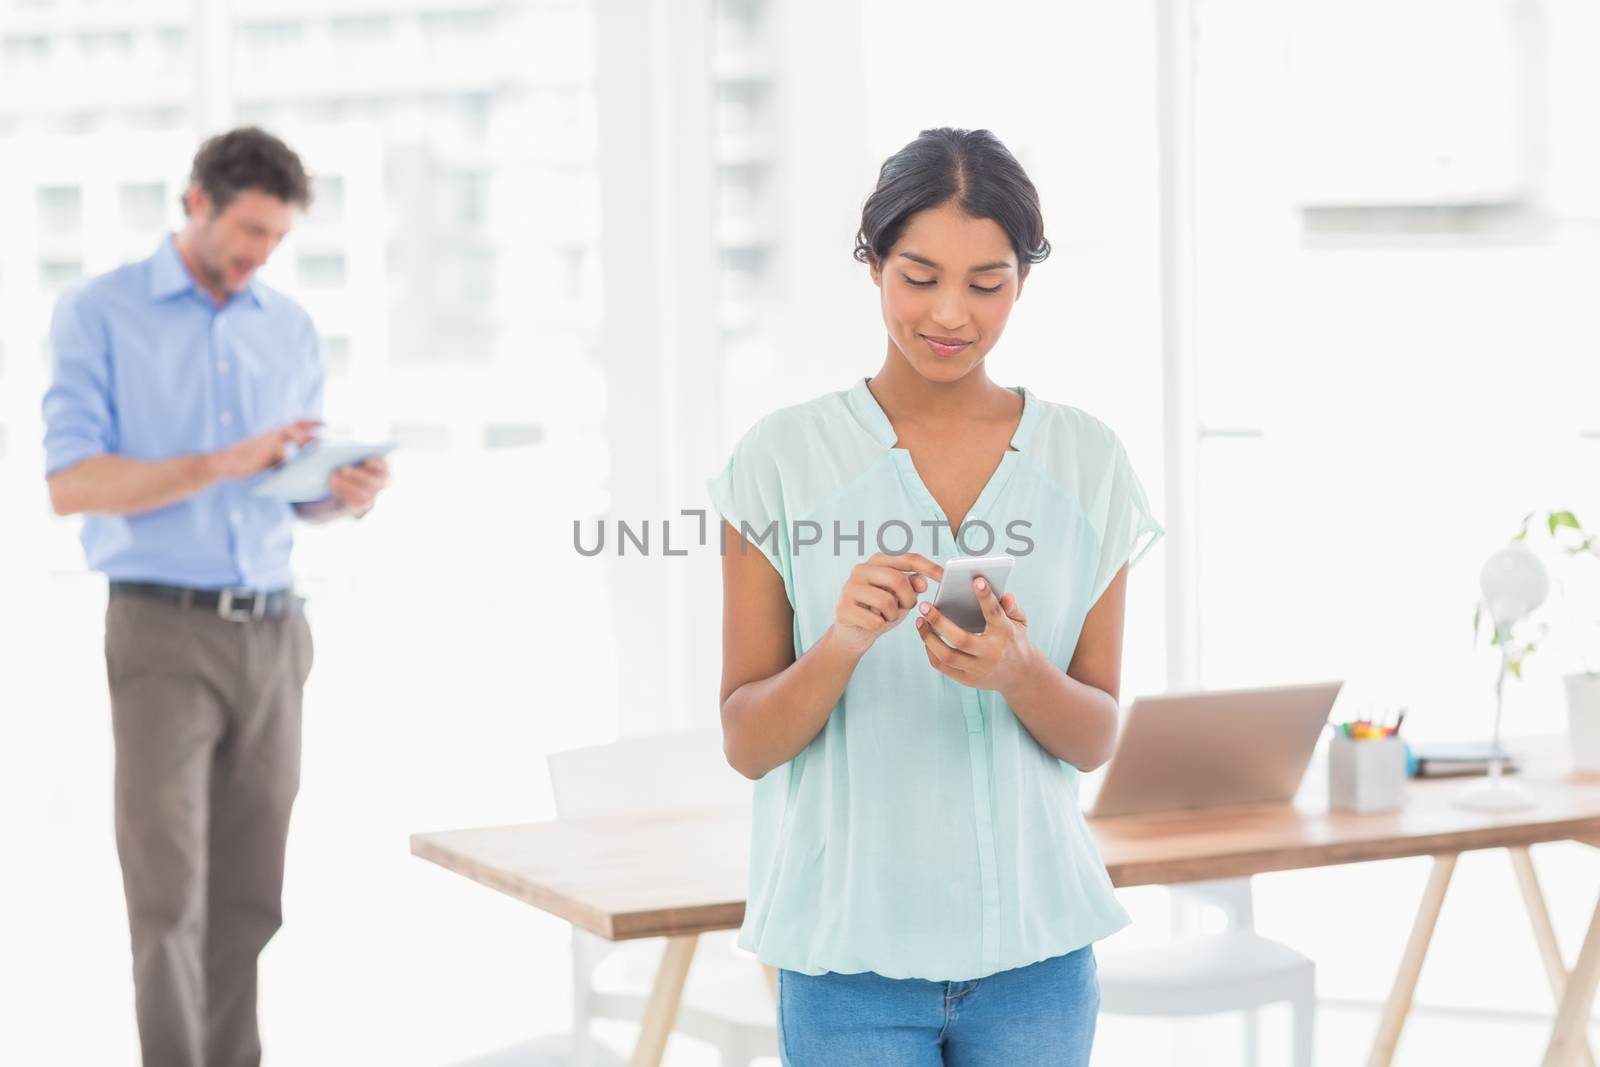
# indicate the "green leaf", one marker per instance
pixel 1477 617
pixel 1562 518
pixel 1516 667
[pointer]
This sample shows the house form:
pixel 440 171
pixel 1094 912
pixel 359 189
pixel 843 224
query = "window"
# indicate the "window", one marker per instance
pixel 512 434
pixel 361 31
pixel 462 199
pixel 574 260
pixel 568 184
pixel 459 344
pixel 155 118
pixel 322 270
pixel 742 272
pixel 336 355
pixel 458 115
pixel 23 49
pixel 76 122
pixel 60 210
pixel 144 206
pixel 741 108
pixel 557 112
pixel 1330 448
pixel 739 189
pixel 327 200
pixel 421 436
pixel 473 111
pixel 106 46
pixel 171 42
pixel 56 274
pixel 738 24
pixel 427 344
pixel 322 110
pixel 557 276
pixel 466 277
pixel 271 38
pixel 259 113
pixel 457 26
pixel 372 109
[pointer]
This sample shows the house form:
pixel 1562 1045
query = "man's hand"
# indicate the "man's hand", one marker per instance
pixel 999 658
pixel 109 484
pixel 358 485
pixel 263 451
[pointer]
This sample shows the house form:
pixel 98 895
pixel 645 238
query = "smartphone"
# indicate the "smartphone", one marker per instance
pixel 956 598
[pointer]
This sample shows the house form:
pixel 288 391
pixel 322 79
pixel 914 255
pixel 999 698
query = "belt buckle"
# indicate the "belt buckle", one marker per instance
pixel 256 610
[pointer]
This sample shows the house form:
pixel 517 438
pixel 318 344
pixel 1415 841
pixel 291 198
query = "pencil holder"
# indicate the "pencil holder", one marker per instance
pixel 1366 775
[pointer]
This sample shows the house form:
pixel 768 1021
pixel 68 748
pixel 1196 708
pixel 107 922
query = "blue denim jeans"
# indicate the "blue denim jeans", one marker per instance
pixel 1040 1014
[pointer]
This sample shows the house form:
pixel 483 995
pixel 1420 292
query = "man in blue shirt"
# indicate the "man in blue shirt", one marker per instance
pixel 177 380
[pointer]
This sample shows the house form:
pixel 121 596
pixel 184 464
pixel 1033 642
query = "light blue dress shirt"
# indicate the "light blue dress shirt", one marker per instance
pixel 924 833
pixel 147 365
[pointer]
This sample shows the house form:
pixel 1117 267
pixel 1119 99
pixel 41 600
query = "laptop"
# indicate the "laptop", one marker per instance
pixel 1201 750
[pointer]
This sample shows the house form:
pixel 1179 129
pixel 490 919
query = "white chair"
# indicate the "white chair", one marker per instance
pixel 726 999
pixel 1206 973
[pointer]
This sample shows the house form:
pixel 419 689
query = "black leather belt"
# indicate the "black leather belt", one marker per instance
pixel 235 605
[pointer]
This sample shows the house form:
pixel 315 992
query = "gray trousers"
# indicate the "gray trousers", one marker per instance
pixel 206 718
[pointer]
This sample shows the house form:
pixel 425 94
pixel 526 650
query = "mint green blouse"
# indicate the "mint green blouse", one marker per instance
pixel 924 833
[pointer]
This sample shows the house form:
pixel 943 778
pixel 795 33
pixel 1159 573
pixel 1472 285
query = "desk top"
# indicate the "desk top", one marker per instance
pixel 683 872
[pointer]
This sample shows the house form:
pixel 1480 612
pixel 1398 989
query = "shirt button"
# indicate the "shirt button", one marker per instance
pixel 236 515
pixel 225 418
pixel 222 367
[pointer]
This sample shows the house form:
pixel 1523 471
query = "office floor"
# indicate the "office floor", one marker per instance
pixel 387 959
pixel 1434 1036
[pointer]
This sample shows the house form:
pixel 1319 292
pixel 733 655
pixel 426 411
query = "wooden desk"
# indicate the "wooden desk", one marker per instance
pixel 679 874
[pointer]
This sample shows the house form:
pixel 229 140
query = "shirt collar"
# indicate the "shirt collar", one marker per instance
pixel 870 414
pixel 169 275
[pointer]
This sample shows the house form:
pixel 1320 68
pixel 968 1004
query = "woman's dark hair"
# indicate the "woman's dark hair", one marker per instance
pixel 248 158
pixel 969 167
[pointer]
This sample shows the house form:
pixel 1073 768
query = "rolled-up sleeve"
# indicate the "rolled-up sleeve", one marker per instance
pixel 79 415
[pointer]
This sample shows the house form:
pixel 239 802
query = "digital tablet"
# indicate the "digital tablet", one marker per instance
pixel 305 477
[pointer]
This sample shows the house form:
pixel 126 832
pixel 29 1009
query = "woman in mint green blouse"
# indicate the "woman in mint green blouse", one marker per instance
pixel 921 873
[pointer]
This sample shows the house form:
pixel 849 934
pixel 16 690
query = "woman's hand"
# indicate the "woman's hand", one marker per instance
pixel 878 594
pixel 999 658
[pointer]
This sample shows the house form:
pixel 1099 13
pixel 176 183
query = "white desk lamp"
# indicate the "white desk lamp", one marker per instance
pixel 1514 583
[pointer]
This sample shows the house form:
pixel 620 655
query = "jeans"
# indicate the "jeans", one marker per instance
pixel 1043 1013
